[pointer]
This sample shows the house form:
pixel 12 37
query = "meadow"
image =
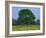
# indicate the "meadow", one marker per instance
pixel 23 27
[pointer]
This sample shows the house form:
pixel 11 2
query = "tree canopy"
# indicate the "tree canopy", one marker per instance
pixel 26 17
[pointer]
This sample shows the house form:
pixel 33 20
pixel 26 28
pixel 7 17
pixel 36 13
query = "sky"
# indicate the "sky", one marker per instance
pixel 35 11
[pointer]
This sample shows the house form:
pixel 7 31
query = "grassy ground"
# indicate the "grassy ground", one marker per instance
pixel 22 28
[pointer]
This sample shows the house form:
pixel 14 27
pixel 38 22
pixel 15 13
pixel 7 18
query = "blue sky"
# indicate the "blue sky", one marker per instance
pixel 35 11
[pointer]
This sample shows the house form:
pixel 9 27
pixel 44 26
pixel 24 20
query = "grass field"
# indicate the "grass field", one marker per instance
pixel 23 28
